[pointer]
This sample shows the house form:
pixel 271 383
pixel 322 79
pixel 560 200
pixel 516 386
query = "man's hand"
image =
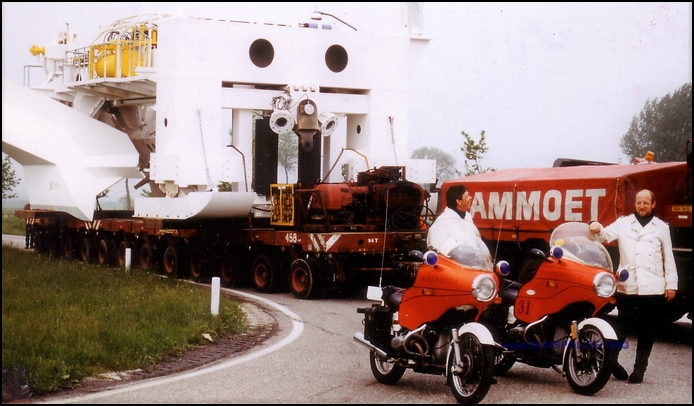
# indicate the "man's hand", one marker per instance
pixel 670 294
pixel 594 227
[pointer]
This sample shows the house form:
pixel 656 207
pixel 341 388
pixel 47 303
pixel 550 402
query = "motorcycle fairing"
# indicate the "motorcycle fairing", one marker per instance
pixel 437 289
pixel 555 285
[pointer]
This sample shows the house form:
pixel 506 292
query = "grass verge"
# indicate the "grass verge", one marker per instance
pixel 64 320
pixel 12 225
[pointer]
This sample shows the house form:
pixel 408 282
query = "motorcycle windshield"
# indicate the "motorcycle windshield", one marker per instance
pixel 580 245
pixel 474 254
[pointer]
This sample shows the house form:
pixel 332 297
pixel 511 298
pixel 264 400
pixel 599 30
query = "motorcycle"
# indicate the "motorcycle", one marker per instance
pixel 547 318
pixel 431 326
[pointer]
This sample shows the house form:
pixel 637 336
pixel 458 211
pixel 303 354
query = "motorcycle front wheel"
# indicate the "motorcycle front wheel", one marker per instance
pixel 588 373
pixel 470 380
pixel 385 372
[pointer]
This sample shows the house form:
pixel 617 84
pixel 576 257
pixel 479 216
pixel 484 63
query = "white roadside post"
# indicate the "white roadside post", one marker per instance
pixel 214 307
pixel 128 255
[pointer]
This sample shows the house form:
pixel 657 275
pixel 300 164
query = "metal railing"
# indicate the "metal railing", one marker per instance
pixel 117 57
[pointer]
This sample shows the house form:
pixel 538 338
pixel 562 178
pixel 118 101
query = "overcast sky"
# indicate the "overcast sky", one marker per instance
pixel 543 80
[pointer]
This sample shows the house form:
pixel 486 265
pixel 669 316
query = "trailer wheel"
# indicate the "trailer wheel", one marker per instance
pixel 42 242
pixel 304 278
pixel 120 256
pixel 227 275
pixel 197 265
pixel 149 258
pixel 88 250
pixel 266 274
pixel 54 248
pixel 69 248
pixel 107 252
pixel 172 263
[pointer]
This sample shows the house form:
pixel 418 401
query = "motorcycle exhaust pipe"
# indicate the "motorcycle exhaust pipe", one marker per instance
pixel 359 337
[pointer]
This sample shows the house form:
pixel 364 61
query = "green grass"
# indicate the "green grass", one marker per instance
pixel 65 320
pixel 11 224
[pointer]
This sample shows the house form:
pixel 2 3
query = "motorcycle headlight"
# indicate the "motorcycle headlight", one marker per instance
pixel 484 288
pixel 604 284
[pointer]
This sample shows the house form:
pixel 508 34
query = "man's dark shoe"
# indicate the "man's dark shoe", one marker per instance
pixel 620 373
pixel 636 377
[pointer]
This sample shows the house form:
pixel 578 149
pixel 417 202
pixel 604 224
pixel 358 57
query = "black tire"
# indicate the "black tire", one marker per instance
pixel 88 250
pixel 385 372
pixel 674 315
pixel 120 254
pixel 675 310
pixel 69 248
pixel 197 265
pixel 305 278
pixel 107 252
pixel 149 257
pixel 471 379
pixel 54 248
pixel 227 273
pixel 42 242
pixel 266 274
pixel 588 375
pixel 173 262
pixel 503 362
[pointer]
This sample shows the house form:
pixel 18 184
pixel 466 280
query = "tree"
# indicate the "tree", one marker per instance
pixel 9 179
pixel 126 202
pixel 662 127
pixel 224 186
pixel 288 153
pixel 129 202
pixel 445 163
pixel 473 154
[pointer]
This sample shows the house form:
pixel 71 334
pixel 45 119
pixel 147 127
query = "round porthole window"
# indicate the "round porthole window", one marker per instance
pixel 336 58
pixel 261 53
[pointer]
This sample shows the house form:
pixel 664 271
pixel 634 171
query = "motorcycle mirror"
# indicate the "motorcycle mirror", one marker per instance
pixel 623 275
pixel 556 252
pixel 416 255
pixel 431 258
pixel 537 254
pixel 503 268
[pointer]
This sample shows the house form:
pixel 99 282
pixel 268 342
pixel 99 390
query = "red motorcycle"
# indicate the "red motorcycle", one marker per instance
pixel 547 318
pixel 431 327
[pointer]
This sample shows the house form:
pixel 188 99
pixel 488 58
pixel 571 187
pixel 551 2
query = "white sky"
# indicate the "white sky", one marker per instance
pixel 543 80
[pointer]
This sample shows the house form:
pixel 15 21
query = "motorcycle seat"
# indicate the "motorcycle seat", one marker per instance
pixel 508 290
pixel 392 296
pixel 529 269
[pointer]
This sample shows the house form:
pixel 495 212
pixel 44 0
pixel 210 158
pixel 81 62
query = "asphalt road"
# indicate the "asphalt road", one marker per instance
pixel 313 359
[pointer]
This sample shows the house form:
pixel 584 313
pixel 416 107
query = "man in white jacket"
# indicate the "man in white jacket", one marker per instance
pixel 645 251
pixel 454 225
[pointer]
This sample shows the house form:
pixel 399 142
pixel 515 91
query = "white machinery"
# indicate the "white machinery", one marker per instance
pixel 187 103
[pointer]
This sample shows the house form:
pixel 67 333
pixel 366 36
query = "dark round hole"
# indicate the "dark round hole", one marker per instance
pixel 261 53
pixel 336 58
